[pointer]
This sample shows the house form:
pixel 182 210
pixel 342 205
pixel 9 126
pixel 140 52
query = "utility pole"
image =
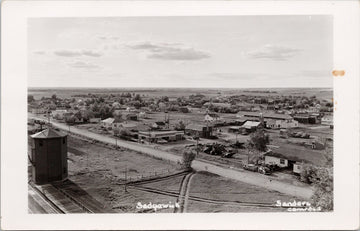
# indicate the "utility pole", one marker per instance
pixel 125 178
pixel 197 145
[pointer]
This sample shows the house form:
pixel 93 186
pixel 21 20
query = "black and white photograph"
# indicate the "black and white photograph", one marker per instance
pixel 180 114
pixel 184 113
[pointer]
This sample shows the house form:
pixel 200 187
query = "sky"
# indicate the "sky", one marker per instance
pixel 186 51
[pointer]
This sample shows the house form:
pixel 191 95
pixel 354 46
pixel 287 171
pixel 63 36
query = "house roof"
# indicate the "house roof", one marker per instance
pixel 128 125
pixel 298 154
pixel 48 134
pixel 195 127
pixel 266 115
pixel 327 117
pixel 250 124
pixel 110 120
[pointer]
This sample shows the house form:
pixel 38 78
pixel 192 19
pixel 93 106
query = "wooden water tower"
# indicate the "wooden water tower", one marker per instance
pixel 49 156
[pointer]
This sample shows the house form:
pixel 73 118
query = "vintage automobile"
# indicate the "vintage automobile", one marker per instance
pixel 251 167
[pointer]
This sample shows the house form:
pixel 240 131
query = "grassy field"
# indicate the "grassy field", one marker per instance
pixel 100 171
pixel 209 186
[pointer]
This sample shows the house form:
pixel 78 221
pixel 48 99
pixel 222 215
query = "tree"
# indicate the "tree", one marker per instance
pixel 180 126
pixel 54 96
pixel 116 131
pixel 87 115
pixel 117 115
pixel 187 158
pixel 30 98
pixel 259 140
pixel 165 99
pixel 322 180
pixel 324 189
pixel 137 97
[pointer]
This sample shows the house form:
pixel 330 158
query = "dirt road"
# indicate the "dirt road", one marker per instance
pixel 244 176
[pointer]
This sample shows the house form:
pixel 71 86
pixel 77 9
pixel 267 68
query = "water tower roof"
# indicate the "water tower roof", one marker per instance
pixel 48 134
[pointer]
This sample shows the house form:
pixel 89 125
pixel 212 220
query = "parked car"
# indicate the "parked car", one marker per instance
pixel 264 170
pixel 251 167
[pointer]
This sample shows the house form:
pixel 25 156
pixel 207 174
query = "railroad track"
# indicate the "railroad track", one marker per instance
pixel 80 207
pixel 183 192
pixel 74 200
pixel 44 197
pixel 207 200
pixel 157 179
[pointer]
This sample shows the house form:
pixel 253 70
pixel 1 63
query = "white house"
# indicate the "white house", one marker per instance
pixel 281 123
pixel 110 123
pixel 327 120
pixel 297 167
pixel 274 159
pixel 211 117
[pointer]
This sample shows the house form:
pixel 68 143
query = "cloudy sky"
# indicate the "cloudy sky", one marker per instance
pixel 216 52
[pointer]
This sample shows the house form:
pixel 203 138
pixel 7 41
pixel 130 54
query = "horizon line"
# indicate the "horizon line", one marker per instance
pixel 186 87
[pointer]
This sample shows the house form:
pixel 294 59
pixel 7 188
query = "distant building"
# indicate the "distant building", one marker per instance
pixel 327 120
pixel 297 168
pixel 250 126
pixel 38 110
pixel 201 131
pixel 94 120
pixel 271 120
pixel 160 136
pixel 132 116
pixel 49 156
pixel 306 118
pixel 158 125
pixel 211 117
pixel 276 159
pixel 184 109
pixel 110 123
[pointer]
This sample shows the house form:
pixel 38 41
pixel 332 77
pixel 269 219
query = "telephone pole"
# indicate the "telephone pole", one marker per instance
pixel 125 189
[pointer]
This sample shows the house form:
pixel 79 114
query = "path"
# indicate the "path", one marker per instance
pixel 184 193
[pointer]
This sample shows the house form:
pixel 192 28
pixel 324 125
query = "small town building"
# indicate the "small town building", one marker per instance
pixel 38 110
pixel 184 109
pixel 142 114
pixel 160 136
pixel 94 120
pixel 281 123
pixel 131 116
pixel 297 168
pixel 158 125
pixel 234 129
pixel 251 126
pixel 48 156
pixel 202 131
pixel 327 120
pixel 272 158
pixel 110 123
pixel 271 119
pixel 211 117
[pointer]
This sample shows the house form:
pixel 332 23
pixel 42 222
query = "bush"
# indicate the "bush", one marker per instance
pixel 259 140
pixel 187 158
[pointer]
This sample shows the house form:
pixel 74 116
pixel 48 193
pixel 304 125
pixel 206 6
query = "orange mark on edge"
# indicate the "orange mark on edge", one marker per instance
pixel 337 73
